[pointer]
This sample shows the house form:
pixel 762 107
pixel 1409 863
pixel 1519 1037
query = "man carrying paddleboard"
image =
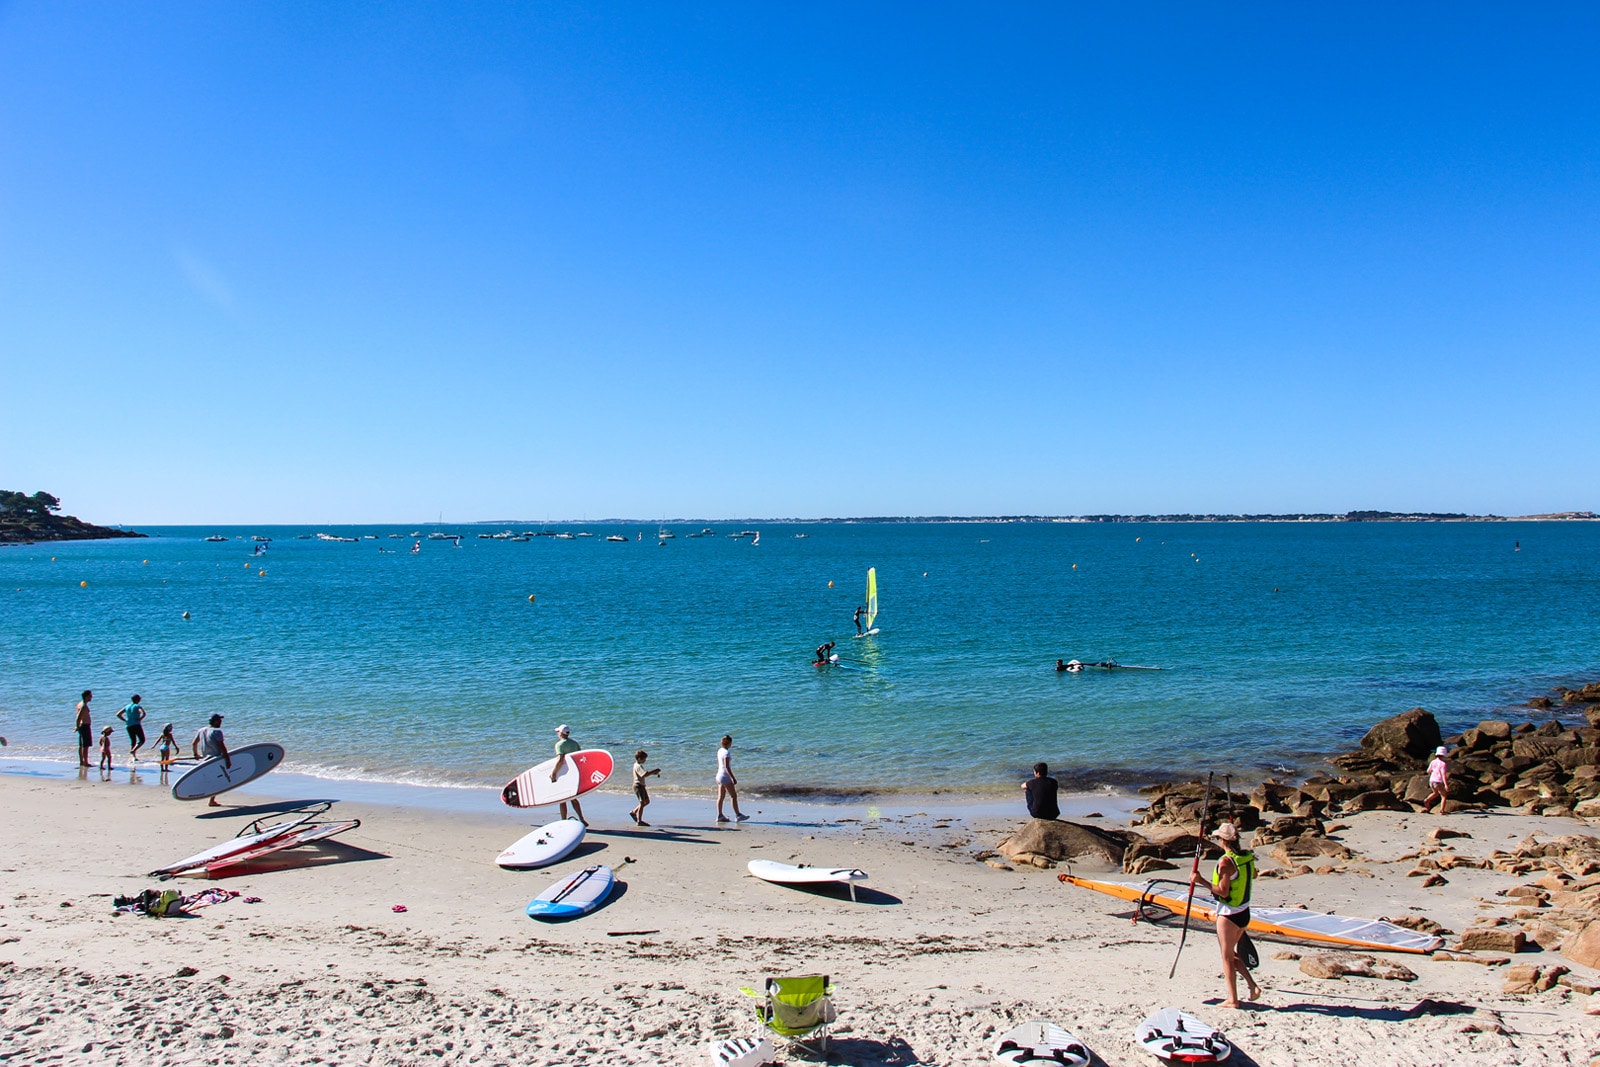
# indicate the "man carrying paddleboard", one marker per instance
pixel 565 745
pixel 1231 884
pixel 210 740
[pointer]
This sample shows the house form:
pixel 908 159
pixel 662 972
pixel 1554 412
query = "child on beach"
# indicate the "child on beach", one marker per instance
pixel 1438 780
pixel 640 793
pixel 165 744
pixel 105 748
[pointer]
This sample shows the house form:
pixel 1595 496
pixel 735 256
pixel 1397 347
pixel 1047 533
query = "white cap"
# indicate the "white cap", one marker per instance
pixel 1441 751
pixel 563 729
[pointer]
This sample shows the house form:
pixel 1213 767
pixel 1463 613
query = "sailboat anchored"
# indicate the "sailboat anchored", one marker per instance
pixel 871 612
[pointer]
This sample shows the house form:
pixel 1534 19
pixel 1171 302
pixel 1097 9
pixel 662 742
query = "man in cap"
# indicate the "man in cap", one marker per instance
pixel 565 746
pixel 209 744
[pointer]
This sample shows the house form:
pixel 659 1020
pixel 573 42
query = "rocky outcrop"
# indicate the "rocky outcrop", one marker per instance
pixel 1339 964
pixel 29 529
pixel 1051 840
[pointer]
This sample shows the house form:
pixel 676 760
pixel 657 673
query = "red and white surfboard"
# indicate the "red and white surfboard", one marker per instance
pixel 584 770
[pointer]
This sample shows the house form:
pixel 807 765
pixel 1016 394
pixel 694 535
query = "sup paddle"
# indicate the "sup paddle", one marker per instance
pixel 1194 874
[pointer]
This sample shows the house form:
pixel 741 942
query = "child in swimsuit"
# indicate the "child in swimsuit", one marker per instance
pixel 105 749
pixel 165 745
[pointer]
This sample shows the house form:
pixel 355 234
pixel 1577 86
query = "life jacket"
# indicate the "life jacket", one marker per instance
pixel 1244 877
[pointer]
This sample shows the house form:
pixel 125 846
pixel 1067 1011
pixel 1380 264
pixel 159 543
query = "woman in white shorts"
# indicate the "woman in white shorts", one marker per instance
pixel 727 784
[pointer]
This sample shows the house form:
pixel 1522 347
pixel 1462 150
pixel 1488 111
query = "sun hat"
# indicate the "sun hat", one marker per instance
pixel 1226 832
pixel 563 729
pixel 1441 751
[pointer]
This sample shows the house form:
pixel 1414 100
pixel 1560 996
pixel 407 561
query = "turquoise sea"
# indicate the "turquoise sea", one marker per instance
pixel 1281 643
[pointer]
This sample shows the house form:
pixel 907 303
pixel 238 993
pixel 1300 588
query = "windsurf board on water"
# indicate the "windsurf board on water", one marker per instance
pixel 1170 1034
pixel 741 1051
pixel 546 845
pixel 243 843
pixel 584 770
pixel 219 775
pixel 575 895
pixel 870 633
pixel 1298 923
pixel 1040 1042
pixel 790 874
pixel 303 836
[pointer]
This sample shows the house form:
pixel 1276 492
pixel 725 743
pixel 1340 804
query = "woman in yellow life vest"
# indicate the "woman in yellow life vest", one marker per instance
pixel 1231 884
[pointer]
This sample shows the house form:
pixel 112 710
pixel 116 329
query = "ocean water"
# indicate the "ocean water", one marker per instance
pixel 1280 643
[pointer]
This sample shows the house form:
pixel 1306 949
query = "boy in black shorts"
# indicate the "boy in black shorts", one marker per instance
pixel 640 792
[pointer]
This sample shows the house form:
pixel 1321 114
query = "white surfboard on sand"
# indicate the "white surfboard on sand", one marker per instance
pixel 1040 1042
pixel 219 775
pixel 546 845
pixel 1170 1034
pixel 790 874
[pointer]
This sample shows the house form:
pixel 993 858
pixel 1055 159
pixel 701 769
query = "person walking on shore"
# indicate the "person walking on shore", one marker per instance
pixel 209 743
pixel 565 746
pixel 641 792
pixel 1231 884
pixel 85 728
pixel 727 784
pixel 1438 780
pixel 133 717
pixel 1040 793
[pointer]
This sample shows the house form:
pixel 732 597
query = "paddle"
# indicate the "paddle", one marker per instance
pixel 1194 874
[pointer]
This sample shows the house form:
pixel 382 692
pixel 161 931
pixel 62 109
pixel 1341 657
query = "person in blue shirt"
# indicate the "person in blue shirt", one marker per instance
pixel 133 717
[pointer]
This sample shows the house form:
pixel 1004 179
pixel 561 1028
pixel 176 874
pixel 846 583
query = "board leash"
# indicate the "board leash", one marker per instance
pixel 1194 874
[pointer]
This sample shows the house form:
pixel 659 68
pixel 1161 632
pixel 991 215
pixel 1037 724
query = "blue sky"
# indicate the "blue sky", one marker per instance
pixel 312 262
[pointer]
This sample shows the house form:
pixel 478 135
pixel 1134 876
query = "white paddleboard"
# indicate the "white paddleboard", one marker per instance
pixel 789 874
pixel 1038 1041
pixel 544 846
pixel 218 776
pixel 583 770
pixel 575 895
pixel 234 846
pixel 1170 1034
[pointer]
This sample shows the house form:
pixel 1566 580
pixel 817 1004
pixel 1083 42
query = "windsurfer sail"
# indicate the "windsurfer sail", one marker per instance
pixel 871 609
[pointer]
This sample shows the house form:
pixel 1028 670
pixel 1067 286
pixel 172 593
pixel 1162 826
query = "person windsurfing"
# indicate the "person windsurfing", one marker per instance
pixel 861 610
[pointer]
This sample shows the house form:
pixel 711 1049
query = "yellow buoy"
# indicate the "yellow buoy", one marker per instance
pixel 247 566
pixel 830 585
pixel 532 599
pixel 261 574
pixel 52 559
pixel 147 563
pixel 83 585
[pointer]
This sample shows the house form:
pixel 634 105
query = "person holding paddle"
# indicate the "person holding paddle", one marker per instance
pixel 1231 883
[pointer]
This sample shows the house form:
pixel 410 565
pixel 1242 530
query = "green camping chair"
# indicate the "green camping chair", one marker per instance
pixel 798 1008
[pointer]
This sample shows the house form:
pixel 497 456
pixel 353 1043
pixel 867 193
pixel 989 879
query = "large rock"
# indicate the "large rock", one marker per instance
pixel 1295 850
pixel 1408 737
pixel 1338 964
pixel 1492 939
pixel 1584 946
pixel 1058 840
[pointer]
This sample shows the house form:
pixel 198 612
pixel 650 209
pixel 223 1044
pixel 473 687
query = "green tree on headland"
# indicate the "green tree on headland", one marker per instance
pixel 17 505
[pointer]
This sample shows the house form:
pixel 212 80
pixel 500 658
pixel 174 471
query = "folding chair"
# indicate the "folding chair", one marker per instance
pixel 798 1008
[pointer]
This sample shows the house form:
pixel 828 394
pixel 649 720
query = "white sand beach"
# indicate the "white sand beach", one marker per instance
pixel 942 954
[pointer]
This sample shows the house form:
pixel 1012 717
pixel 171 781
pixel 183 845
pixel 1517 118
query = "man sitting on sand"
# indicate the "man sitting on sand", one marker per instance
pixel 208 743
pixel 1040 793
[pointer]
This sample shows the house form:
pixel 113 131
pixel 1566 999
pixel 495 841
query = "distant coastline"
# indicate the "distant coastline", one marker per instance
pixel 1349 516
pixel 27 519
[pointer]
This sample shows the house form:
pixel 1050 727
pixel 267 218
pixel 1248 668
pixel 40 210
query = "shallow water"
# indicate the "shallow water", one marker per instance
pixel 1280 643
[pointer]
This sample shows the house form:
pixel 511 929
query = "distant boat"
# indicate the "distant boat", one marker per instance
pixel 665 534
pixel 585 533
pixel 214 537
pixel 617 537
pixel 756 540
pixel 439 535
pixel 799 536
pixel 258 537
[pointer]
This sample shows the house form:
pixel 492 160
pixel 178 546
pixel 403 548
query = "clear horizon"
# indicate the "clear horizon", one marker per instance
pixel 294 263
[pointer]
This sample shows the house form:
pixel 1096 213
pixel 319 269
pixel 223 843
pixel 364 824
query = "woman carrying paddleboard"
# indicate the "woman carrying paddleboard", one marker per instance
pixel 1231 883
